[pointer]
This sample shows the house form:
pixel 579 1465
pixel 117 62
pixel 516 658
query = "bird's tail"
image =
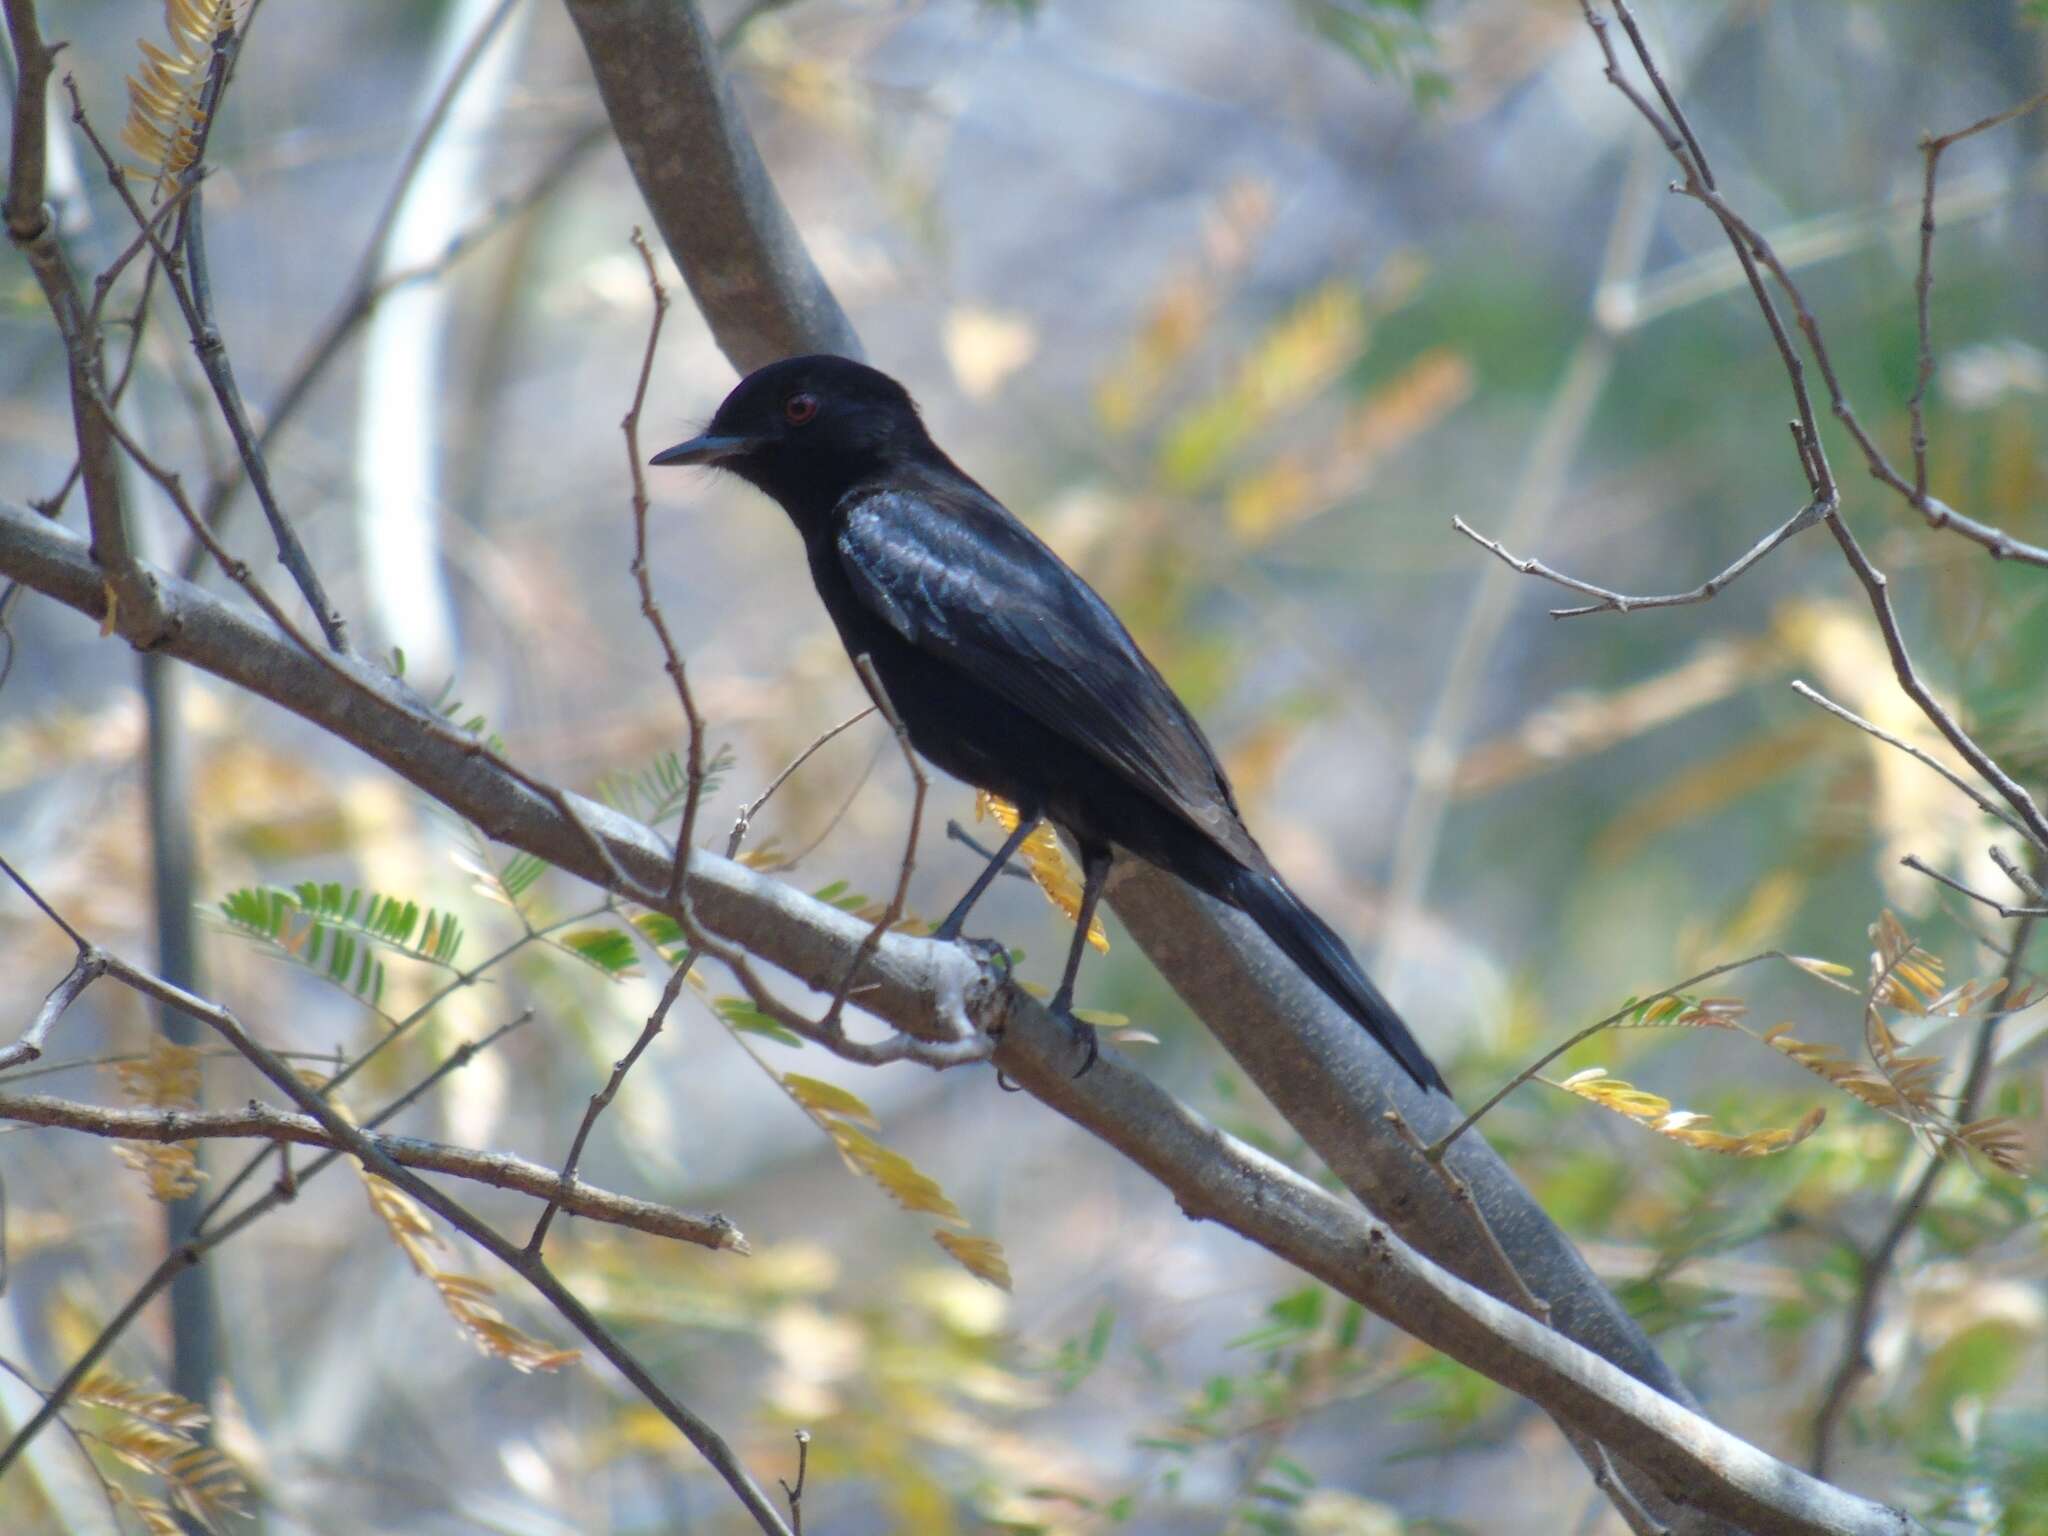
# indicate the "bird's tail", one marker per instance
pixel 1307 940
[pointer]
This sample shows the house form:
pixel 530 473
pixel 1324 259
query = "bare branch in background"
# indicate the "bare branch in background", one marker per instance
pixel 189 285
pixel 1619 602
pixel 499 1170
pixel 1754 253
pixel 366 1150
pixel 34 233
pixel 1919 867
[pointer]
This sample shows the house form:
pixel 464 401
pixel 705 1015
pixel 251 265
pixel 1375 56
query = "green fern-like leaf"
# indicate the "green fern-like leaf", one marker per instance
pixel 336 930
pixel 608 949
pixel 658 792
pixel 507 883
pixel 740 1013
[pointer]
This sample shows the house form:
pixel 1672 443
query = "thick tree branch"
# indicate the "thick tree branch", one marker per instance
pixel 933 989
pixel 729 233
pixel 500 1170
pixel 658 72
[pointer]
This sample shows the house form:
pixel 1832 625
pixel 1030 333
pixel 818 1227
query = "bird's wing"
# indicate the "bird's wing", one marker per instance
pixel 950 570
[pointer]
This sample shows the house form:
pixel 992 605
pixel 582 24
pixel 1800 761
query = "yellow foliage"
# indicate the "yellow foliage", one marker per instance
pixel 168 1167
pixel 165 1077
pixel 164 96
pixel 1047 861
pixel 981 1256
pixel 822 1098
pixel 139 1400
pixel 467 1297
pixel 1654 1112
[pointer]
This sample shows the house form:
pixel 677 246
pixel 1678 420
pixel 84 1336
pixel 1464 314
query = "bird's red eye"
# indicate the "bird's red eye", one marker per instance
pixel 800 409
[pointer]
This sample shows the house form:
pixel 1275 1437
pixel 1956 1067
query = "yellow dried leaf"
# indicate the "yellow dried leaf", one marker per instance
pixel 146 1447
pixel 1826 1062
pixel 1612 1093
pixel 1998 1140
pixel 166 1077
pixel 1047 861
pixel 139 1400
pixel 1755 1144
pixel 467 1297
pixel 822 1098
pixel 1654 1112
pixel 906 1184
pixel 982 1256
pixel 156 1516
pixel 170 1167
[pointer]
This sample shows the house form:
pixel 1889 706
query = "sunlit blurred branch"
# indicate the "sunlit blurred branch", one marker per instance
pixel 1538 487
pixel 1977 797
pixel 399 415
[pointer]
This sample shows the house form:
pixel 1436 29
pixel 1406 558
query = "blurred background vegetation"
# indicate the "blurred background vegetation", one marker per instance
pixel 1239 304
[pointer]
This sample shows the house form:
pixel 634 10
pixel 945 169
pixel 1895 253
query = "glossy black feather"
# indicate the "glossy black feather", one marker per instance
pixel 1006 668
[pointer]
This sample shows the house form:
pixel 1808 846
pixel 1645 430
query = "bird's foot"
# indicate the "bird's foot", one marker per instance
pixel 1079 1030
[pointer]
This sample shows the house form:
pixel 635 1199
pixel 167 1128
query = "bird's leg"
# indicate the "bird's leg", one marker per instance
pixel 950 928
pixel 1095 871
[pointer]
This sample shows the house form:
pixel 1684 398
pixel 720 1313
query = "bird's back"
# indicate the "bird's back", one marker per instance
pixel 961 596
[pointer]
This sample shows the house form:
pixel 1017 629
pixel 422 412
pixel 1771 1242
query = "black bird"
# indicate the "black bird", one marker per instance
pixel 1005 667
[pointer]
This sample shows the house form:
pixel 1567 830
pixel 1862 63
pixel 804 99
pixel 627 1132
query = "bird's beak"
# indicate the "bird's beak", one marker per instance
pixel 704 450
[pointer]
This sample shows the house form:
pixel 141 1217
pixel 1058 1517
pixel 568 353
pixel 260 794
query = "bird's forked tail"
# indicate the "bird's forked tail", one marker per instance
pixel 1308 941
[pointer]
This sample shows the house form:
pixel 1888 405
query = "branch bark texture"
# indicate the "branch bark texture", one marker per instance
pixel 933 990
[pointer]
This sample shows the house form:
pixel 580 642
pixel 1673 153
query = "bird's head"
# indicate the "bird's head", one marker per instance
pixel 806 430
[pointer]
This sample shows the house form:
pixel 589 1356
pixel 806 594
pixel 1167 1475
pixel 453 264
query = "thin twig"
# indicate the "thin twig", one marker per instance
pixel 2018 876
pixel 1621 602
pixel 1981 800
pixel 77 939
pixel 795 1495
pixel 85 970
pixel 499 1170
pixel 1461 1196
pixel 1932 146
pixel 600 1100
pixel 1913 862
pixel 672 661
pixel 893 912
pixel 191 291
pixel 1443 1143
pixel 745 819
